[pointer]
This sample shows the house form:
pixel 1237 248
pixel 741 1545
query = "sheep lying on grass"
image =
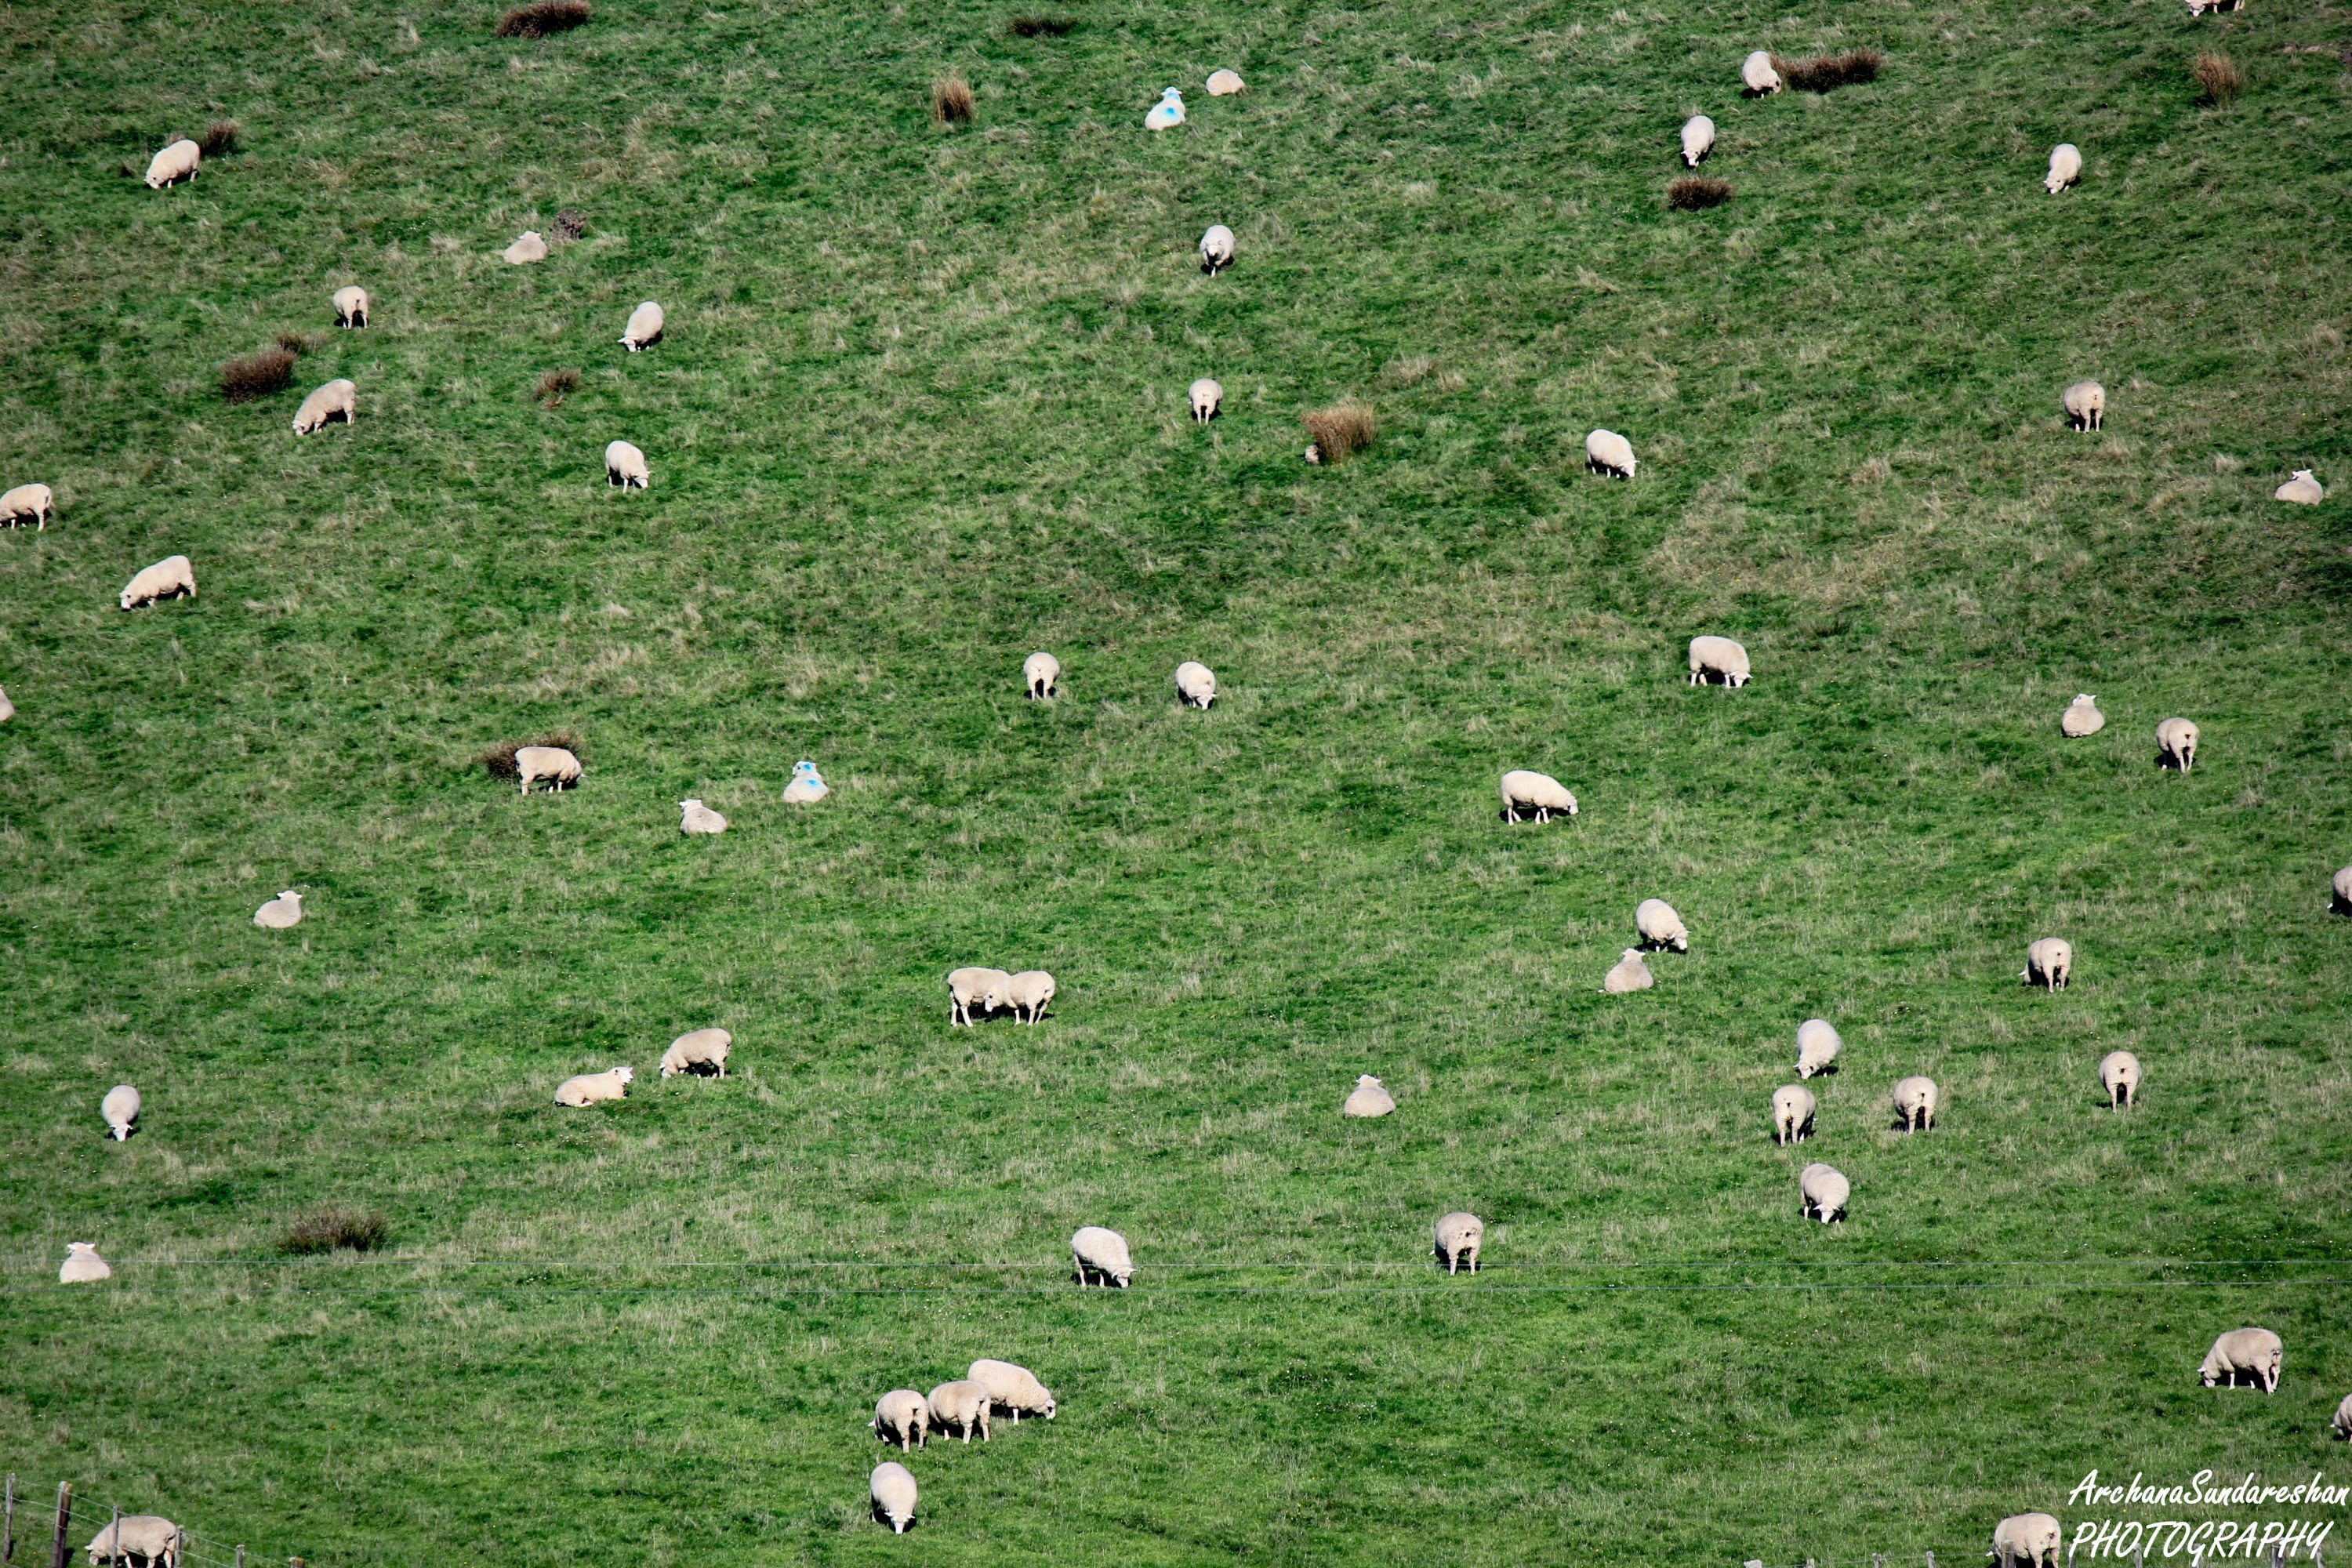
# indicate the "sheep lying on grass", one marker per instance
pixel 1368 1098
pixel 2082 718
pixel 2256 1353
pixel 805 787
pixel 281 913
pixel 595 1088
pixel 1460 1235
pixel 2303 490
pixel 696 817
pixel 1224 83
pixel 528 246
pixel 1629 973
pixel 83 1266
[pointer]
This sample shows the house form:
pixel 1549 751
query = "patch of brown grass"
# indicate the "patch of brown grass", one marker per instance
pixel 1824 72
pixel 1695 193
pixel 220 139
pixel 325 1229
pixel 1040 26
pixel 952 100
pixel 555 384
pixel 499 760
pixel 568 225
pixel 543 17
pixel 294 342
pixel 1341 431
pixel 257 374
pixel 2218 79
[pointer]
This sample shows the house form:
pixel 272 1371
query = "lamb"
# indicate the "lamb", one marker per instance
pixel 1824 1190
pixel 696 1051
pixel 1368 1098
pixel 1715 659
pixel 121 1108
pixel 2256 1351
pixel 1460 1235
pixel 2302 490
pixel 1207 398
pixel 1196 684
pixel 624 466
pixel 1698 139
pixel 155 1541
pixel 645 328
pixel 23 501
pixel 962 1402
pixel 2175 744
pixel 280 913
pixel 2085 403
pixel 558 766
pixel 892 1488
pixel 339 397
pixel 1224 83
pixel 350 306
pixel 1629 973
pixel 969 988
pixel 175 163
pixel 903 1417
pixel 1817 1047
pixel 1216 249
pixel 805 787
pixel 1102 1253
pixel 7 708
pixel 2025 1541
pixel 2120 1076
pixel 2048 964
pixel 2341 889
pixel 83 1266
pixel 171 578
pixel 1792 1112
pixel 1016 1388
pixel 2342 1425
pixel 528 246
pixel 2082 718
pixel 1758 77
pixel 1535 795
pixel 593 1087
pixel 1659 926
pixel 1027 994
pixel 1041 674
pixel 696 817
pixel 1607 452
pixel 2065 167
pixel 1915 1100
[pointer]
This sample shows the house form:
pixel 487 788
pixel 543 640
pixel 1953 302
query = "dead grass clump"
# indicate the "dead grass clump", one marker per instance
pixel 294 342
pixel 1825 72
pixel 542 18
pixel 555 384
pixel 325 1229
pixel 257 374
pixel 1694 193
pixel 1040 26
pixel 499 759
pixel 220 139
pixel 2218 80
pixel 1341 431
pixel 952 100
pixel 568 225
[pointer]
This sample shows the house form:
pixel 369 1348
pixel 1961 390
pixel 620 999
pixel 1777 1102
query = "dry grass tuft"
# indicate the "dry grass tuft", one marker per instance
pixel 1040 26
pixel 555 384
pixel 1694 193
pixel 568 225
pixel 1339 431
pixel 294 342
pixel 325 1229
pixel 499 759
pixel 220 139
pixel 952 100
pixel 1825 72
pixel 2218 79
pixel 257 374
pixel 542 18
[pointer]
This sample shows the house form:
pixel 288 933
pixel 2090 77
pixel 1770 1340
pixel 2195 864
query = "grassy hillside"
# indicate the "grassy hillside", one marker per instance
pixel 920 410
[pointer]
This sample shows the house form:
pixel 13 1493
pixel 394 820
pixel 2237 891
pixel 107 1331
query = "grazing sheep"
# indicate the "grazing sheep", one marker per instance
pixel 83 1266
pixel 2025 1541
pixel 1027 994
pixel 1168 113
pixel 1535 795
pixel 961 1404
pixel 2302 490
pixel 1698 139
pixel 1041 674
pixel 1915 1100
pixel 1216 249
pixel 892 1488
pixel 903 1417
pixel 2082 718
pixel 23 501
pixel 528 246
pixel 2120 1076
pixel 1792 1112
pixel 1224 83
pixel 1629 973
pixel 1659 926
pixel 2065 167
pixel 970 989
pixel 1368 1098
pixel 591 1088
pixel 1207 397
pixel 175 163
pixel 1757 75
pixel 2085 403
pixel 2175 744
pixel 1817 1047
pixel 696 817
pixel 280 913
pixel 153 1539
pixel 1016 1388
pixel 2342 1425
pixel 350 306
pixel 1718 659
pixel 805 788
pixel 696 1051
pixel 645 328
pixel 559 767
pixel 337 398
pixel 171 578
pixel 1102 1252
pixel 121 1108
pixel 1196 684
pixel 2341 902
pixel 1607 452
pixel 2048 964
pixel 624 466
pixel 2256 1351
pixel 1824 1191
pixel 1460 1235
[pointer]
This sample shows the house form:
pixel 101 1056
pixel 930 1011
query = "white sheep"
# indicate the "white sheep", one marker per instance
pixel 1757 75
pixel 1460 1235
pixel 696 1050
pixel 1028 995
pixel 1102 1253
pixel 1659 926
pixel 1207 398
pixel 1368 1098
pixel 903 1417
pixel 805 787
pixel 1698 139
pixel 1216 249
pixel 7 708
pixel 2082 718
pixel 2085 405
pixel 970 989
pixel 2120 1076
pixel 1629 973
pixel 528 246
pixel 892 1488
pixel 593 1087
pixel 1015 1388
pixel 153 1539
pixel 1713 659
pixel 1607 452
pixel 624 466
pixel 696 817
pixel 1915 1100
pixel 338 399
pixel 175 163
pixel 2175 744
pixel 1792 1112
pixel 2342 1425
pixel 32 501
pixel 558 766
pixel 1224 83
pixel 645 327
pixel 2065 167
pixel 1817 1046
pixel 83 1266
pixel 1824 1191
pixel 2340 902
pixel 2256 1351
pixel 1526 794
pixel 350 306
pixel 1196 684
pixel 2025 1541
pixel 2302 490
pixel 2048 964
pixel 121 1108
pixel 174 577
pixel 280 913
pixel 961 1404
pixel 1041 675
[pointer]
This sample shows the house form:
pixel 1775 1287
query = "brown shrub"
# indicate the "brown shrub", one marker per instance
pixel 2218 80
pixel 542 18
pixel 1339 431
pixel 1694 192
pixel 1040 26
pixel 257 374
pixel 952 100
pixel 1824 72
pixel 555 384
pixel 568 224
pixel 325 1229
pixel 499 759
pixel 294 342
pixel 220 139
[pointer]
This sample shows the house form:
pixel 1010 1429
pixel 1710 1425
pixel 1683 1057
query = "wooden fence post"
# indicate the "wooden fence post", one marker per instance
pixel 240 1555
pixel 8 1533
pixel 60 1552
pixel 114 1538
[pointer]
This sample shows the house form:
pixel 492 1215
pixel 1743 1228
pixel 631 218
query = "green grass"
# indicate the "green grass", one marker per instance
pixel 920 410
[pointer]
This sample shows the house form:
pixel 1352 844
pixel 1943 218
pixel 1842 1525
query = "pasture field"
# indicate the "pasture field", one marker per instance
pixel 920 410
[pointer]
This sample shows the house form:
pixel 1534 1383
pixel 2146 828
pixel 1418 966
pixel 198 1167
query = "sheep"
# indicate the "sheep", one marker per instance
pixel 2256 1351
pixel 528 246
pixel 1207 398
pixel 969 988
pixel 805 787
pixel 1792 1112
pixel 153 1539
pixel 961 1404
pixel 2175 744
pixel 1824 1191
pixel 1757 75
pixel 2082 718
pixel 1718 659
pixel 121 1108
pixel 175 163
pixel 280 913
pixel 1817 1047
pixel 1368 1098
pixel 1629 973
pixel 1027 994
pixel 350 306
pixel 645 328
pixel 1460 1235
pixel 2065 167
pixel 1216 249
pixel 2085 405
pixel 1224 83
pixel 1698 139
pixel 2342 1425
pixel 1915 1100
pixel 171 578
pixel 1535 795
pixel 83 1266
pixel 696 817
pixel 1659 926
pixel 2340 902
pixel 2120 1076
pixel 1607 452
pixel 624 466
pixel 1041 675
pixel 591 1088
pixel 2302 490
pixel 7 708
pixel 1196 684
pixel 903 1417
pixel 698 1050
pixel 1016 1388
pixel 2048 964
pixel 892 1488
pixel 319 409
pixel 28 500
pixel 1102 1252
pixel 2025 1541
pixel 558 766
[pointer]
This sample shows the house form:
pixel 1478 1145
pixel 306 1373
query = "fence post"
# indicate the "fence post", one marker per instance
pixel 60 1552
pixel 8 1534
pixel 240 1555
